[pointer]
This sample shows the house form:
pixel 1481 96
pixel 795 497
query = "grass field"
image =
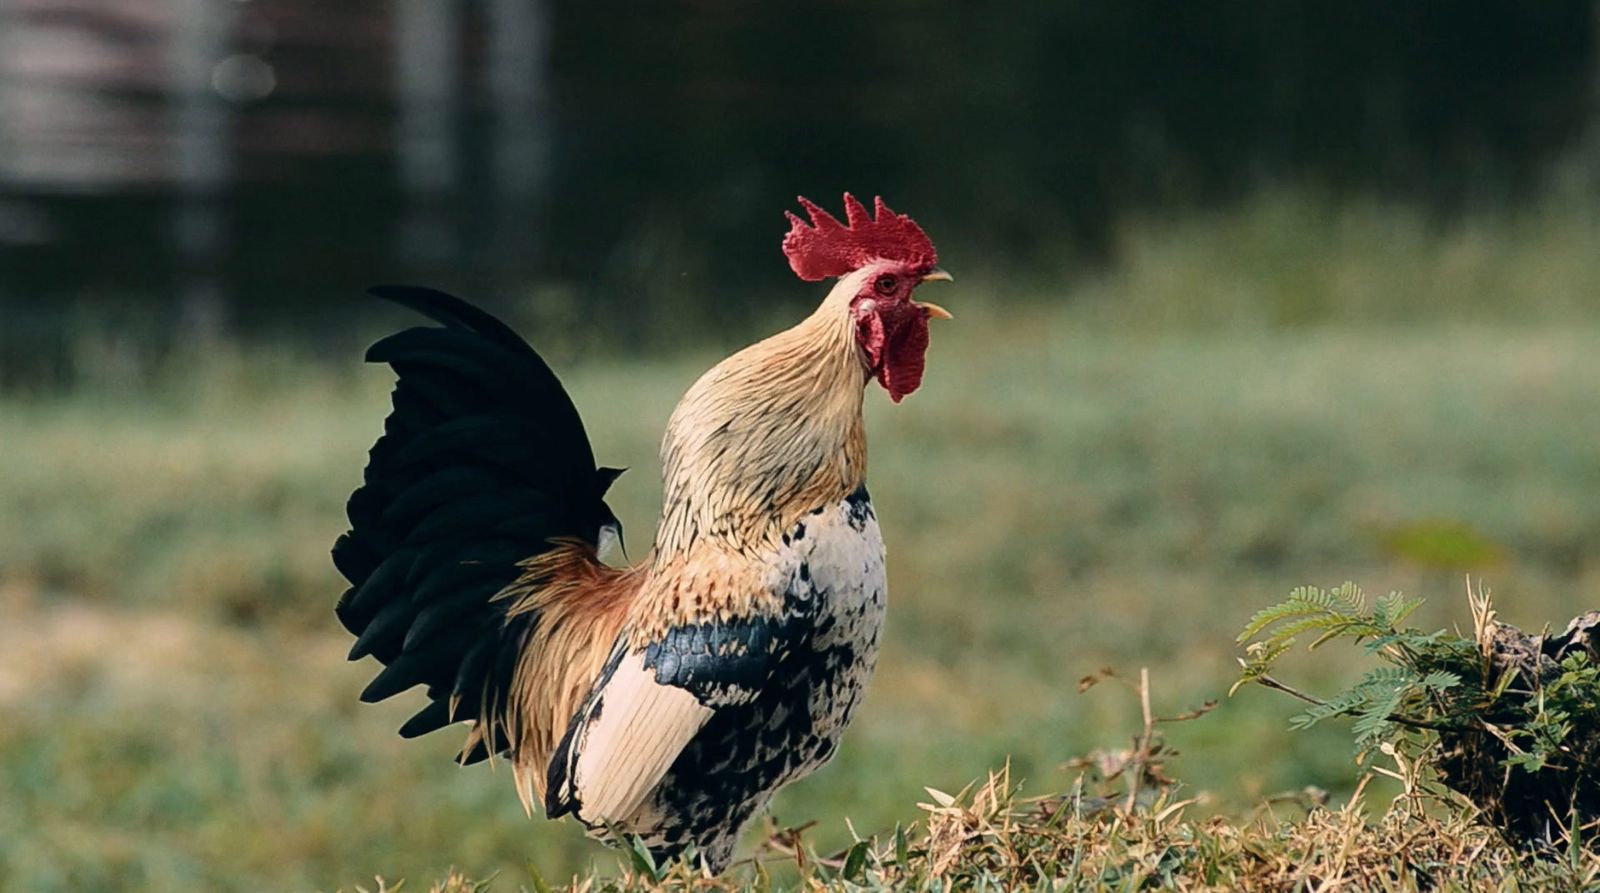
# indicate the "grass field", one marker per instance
pixel 1085 480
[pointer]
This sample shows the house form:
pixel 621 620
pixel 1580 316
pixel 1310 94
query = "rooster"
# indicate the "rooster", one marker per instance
pixel 668 700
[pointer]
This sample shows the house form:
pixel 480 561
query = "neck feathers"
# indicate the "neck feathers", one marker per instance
pixel 767 435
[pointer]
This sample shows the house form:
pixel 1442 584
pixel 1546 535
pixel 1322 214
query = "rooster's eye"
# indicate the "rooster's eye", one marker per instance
pixel 886 284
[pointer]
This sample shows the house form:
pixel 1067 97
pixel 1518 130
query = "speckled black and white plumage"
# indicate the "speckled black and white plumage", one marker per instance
pixel 779 688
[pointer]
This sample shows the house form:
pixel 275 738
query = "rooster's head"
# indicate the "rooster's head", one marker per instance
pixel 880 258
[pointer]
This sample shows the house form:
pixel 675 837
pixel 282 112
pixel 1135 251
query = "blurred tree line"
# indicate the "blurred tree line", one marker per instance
pixel 635 158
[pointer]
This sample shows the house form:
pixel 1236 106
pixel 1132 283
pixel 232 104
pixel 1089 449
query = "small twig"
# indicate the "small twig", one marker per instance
pixel 1141 756
pixel 1188 715
pixel 789 842
pixel 1270 682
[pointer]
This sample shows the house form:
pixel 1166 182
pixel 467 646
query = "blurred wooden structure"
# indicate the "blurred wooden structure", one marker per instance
pixel 93 92
pixel 183 109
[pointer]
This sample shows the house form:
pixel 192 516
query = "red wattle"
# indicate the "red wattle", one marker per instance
pixel 904 357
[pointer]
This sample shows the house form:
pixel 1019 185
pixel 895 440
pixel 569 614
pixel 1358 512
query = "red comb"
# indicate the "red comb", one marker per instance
pixel 827 247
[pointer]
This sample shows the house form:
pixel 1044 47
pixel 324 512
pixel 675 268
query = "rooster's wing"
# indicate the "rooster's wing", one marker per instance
pixel 649 704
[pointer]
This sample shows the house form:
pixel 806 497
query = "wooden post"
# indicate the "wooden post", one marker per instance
pixel 202 163
pixel 519 161
pixel 8 150
pixel 427 76
pixel 1591 146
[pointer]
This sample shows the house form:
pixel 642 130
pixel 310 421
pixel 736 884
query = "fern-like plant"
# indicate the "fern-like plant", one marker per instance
pixel 1511 721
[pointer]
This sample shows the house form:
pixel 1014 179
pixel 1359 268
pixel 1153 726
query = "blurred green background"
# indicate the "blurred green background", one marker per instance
pixel 1249 295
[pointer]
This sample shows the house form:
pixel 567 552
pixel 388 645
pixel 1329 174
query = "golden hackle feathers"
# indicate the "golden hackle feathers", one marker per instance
pixel 762 435
pixel 762 438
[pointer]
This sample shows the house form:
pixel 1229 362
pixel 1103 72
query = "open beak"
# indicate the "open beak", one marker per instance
pixel 934 311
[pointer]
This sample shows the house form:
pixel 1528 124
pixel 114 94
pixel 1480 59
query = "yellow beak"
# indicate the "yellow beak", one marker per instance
pixel 934 311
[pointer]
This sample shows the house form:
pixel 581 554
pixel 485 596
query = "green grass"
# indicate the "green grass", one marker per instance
pixel 1081 482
